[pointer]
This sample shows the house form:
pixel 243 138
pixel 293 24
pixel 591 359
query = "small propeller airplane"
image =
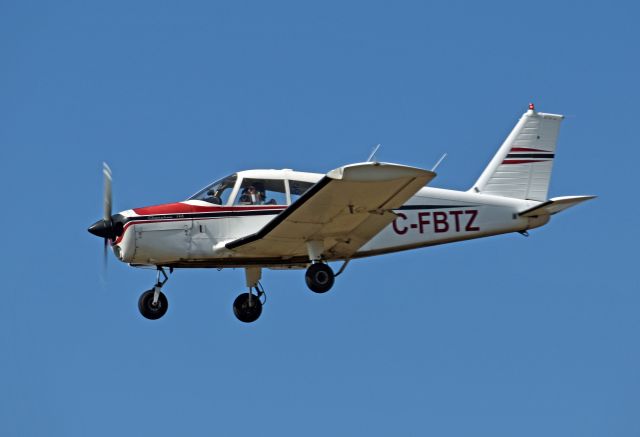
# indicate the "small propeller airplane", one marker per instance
pixel 285 219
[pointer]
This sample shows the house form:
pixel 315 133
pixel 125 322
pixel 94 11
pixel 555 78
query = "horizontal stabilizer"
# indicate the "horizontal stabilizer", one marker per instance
pixel 555 205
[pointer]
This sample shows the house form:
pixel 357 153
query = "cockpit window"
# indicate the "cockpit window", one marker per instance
pixel 298 188
pixel 261 192
pixel 218 192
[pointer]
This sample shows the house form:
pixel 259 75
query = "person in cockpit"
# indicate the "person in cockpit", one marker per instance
pixel 262 194
pixel 252 196
pixel 213 197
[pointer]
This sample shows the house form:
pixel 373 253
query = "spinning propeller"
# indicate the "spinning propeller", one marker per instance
pixel 106 228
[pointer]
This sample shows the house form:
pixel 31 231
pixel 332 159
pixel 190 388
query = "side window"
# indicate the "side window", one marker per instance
pixel 297 189
pixel 261 192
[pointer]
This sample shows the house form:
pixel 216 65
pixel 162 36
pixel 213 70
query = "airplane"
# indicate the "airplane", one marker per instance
pixel 285 219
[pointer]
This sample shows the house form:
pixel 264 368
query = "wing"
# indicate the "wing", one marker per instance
pixel 344 210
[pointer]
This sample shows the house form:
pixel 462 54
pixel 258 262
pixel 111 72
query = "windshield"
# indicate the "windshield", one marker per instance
pixel 218 192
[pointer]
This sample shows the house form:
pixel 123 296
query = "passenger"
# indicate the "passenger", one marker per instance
pixel 251 196
pixel 263 195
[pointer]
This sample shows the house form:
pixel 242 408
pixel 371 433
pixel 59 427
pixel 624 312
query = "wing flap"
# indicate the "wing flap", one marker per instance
pixel 345 209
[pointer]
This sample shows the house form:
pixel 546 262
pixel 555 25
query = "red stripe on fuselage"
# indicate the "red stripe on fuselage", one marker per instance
pixel 182 208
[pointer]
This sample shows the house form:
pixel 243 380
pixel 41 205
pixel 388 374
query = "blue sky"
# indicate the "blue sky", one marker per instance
pixel 495 337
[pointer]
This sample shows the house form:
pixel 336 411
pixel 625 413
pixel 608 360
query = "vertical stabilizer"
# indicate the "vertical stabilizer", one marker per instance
pixel 522 167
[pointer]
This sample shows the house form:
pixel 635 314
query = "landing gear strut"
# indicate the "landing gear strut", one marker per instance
pixel 153 304
pixel 248 306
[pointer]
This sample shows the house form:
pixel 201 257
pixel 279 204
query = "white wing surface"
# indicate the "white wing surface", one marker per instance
pixel 344 210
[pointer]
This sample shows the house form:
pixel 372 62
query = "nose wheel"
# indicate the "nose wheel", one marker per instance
pixel 153 303
pixel 153 308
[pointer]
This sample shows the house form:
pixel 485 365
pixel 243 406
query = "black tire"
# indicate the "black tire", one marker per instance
pixel 319 278
pixel 150 311
pixel 245 312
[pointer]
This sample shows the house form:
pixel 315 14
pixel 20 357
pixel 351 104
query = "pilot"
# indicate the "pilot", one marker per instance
pixel 213 197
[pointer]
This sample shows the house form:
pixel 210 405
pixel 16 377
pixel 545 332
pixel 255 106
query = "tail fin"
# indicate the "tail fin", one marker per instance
pixel 522 167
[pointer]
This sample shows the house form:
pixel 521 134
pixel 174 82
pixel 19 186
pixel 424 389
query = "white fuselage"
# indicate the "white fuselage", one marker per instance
pixel 194 233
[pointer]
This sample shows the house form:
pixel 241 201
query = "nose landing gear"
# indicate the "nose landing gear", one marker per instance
pixel 153 303
pixel 152 307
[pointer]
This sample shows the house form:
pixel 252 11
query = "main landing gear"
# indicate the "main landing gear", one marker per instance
pixel 319 277
pixel 153 304
pixel 248 306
